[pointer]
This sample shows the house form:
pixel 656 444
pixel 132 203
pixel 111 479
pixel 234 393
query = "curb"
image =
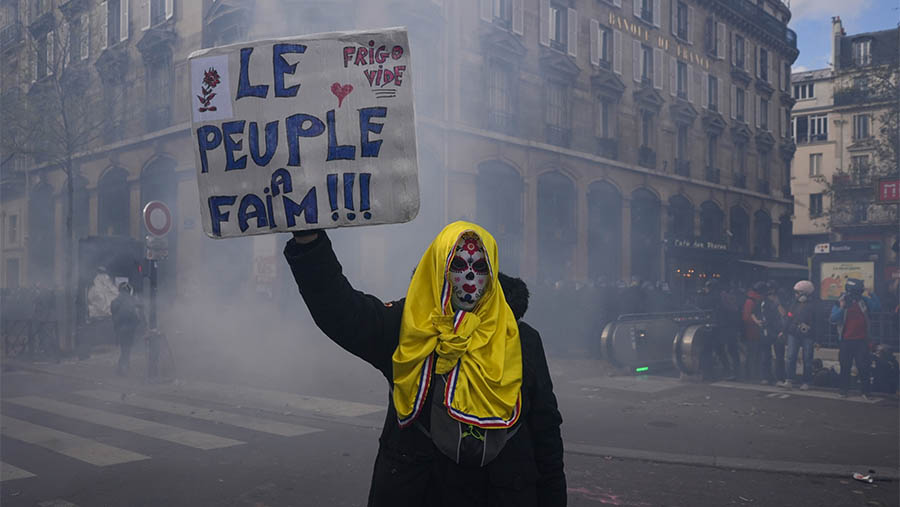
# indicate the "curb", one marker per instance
pixel 732 463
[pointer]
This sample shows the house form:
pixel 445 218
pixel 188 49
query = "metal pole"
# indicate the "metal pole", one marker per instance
pixel 152 316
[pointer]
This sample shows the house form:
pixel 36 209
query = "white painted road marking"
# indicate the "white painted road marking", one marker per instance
pixel 73 446
pixel 269 399
pixel 828 395
pixel 126 423
pixel 638 384
pixel 56 503
pixel 9 472
pixel 239 420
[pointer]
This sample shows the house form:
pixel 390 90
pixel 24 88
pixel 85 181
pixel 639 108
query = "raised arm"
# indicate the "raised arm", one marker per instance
pixel 360 323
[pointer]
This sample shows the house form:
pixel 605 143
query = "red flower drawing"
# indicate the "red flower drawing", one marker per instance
pixel 210 81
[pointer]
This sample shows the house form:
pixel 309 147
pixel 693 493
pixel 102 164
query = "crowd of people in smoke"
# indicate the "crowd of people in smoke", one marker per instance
pixel 766 333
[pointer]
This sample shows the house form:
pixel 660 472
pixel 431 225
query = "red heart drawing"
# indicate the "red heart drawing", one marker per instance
pixel 341 91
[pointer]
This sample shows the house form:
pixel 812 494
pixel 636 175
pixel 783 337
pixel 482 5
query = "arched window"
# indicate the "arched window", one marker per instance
pixel 41 235
pixel 499 199
pixel 604 231
pixel 762 235
pixel 740 230
pixel 681 217
pixel 557 235
pixel 114 203
pixel 785 237
pixel 645 238
pixel 712 222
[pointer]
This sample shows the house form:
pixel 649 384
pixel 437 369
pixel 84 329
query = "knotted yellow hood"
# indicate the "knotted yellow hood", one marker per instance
pixel 479 350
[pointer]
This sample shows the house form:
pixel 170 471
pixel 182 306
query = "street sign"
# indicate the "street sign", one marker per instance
pixel 157 248
pixel 157 218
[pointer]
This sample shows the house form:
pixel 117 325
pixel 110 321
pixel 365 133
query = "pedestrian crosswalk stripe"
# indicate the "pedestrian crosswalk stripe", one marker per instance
pixel 72 446
pixel 127 423
pixel 239 420
pixel 9 472
pixel 56 503
pixel 279 400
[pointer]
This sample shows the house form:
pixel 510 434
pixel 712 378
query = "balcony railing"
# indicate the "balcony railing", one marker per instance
pixel 856 95
pixel 501 121
pixel 11 34
pixel 608 148
pixel 740 180
pixel 713 174
pixel 814 138
pixel 683 167
pixel 647 157
pixel 560 136
pixel 762 187
pixel 756 14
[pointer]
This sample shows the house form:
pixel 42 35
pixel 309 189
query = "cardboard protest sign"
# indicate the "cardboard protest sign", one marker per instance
pixel 305 133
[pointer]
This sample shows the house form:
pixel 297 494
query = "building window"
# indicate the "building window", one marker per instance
pixel 647 68
pixel 815 164
pixel 815 205
pixel 558 31
pixel 604 41
pixel 681 21
pixel 861 126
pixel 862 52
pixel 503 12
pixel 158 88
pixel 42 63
pixel 786 77
pixel 738 51
pixel 763 114
pixel 647 129
pixel 804 91
pixel 712 150
pixel 859 164
pixel 763 64
pixel 646 10
pixel 12 229
pixel 811 128
pixel 605 116
pixel 499 100
pixel 113 17
pixel 713 87
pixel 682 80
pixel 157 12
pixel 681 143
pixel 739 98
pixel 557 114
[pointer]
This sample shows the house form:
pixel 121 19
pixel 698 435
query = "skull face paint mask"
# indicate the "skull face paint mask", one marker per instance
pixel 469 273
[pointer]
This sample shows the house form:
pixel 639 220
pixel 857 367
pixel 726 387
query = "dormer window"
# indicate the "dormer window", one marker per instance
pixel 862 52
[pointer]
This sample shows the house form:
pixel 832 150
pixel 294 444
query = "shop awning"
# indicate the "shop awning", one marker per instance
pixel 775 265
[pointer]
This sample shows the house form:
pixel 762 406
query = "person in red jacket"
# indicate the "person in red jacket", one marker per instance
pixel 752 325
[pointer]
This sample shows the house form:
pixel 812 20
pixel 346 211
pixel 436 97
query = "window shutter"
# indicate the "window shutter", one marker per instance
pixel 673 76
pixel 747 54
pixel 720 87
pixel 146 9
pixel 658 69
pixel 104 25
pixel 486 12
pixel 673 16
pixel 34 60
pixel 637 58
pixel 733 48
pixel 595 42
pixel 124 18
pixel 170 9
pixel 721 39
pixel 51 64
pixel 690 25
pixel 65 42
pixel 657 12
pixel 617 49
pixel 756 103
pixel 84 40
pixel 573 32
pixel 518 17
pixel 756 61
pixel 637 7
pixel 545 22
pixel 733 102
pixel 689 87
pixel 704 84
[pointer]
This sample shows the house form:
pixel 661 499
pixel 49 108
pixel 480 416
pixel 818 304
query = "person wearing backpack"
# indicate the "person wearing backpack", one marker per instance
pixel 472 419
pixel 125 317
pixel 851 316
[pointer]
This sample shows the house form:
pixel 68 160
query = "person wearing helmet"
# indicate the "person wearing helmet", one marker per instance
pixel 851 316
pixel 801 319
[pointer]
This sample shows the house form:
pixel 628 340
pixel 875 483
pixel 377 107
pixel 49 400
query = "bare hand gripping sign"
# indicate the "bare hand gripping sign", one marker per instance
pixel 305 133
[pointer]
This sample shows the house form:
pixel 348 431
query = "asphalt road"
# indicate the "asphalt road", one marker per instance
pixel 74 434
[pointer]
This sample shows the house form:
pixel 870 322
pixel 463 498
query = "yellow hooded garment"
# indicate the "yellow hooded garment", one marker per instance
pixel 479 350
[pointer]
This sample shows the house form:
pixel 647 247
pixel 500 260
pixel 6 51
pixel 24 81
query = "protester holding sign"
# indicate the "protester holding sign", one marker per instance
pixel 472 419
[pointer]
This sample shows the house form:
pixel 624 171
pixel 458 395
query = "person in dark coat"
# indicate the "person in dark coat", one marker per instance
pixel 412 466
pixel 125 317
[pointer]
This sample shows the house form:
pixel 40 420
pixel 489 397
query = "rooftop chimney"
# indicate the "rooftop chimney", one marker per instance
pixel 837 31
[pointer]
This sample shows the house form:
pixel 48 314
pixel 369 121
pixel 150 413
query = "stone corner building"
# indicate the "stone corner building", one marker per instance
pixel 619 138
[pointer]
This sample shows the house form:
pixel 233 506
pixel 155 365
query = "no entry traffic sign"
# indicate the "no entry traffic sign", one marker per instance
pixel 157 218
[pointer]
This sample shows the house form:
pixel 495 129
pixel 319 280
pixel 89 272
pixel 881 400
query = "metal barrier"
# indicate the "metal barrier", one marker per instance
pixel 884 329
pixel 641 343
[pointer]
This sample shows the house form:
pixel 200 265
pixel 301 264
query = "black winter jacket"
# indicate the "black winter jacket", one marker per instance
pixel 409 469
